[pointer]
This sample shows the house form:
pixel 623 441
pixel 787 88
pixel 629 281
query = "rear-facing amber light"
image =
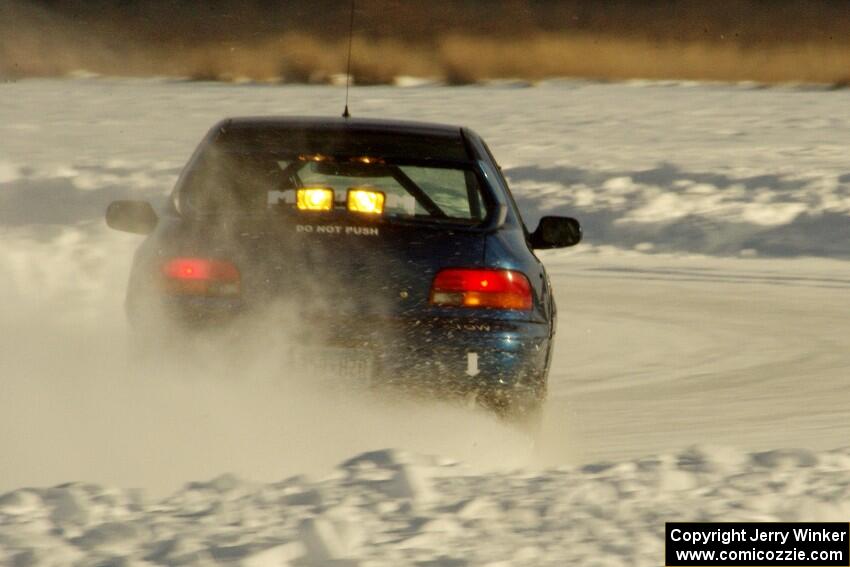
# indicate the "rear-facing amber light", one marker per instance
pixel 366 201
pixel 314 199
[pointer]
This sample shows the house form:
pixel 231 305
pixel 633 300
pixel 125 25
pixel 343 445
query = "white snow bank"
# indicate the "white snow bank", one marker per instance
pixel 66 194
pixel 393 508
pixel 668 209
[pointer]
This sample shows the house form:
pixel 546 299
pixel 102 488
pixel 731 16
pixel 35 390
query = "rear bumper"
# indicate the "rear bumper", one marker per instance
pixel 451 355
pixel 456 356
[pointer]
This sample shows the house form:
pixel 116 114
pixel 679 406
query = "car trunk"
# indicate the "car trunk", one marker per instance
pixel 344 269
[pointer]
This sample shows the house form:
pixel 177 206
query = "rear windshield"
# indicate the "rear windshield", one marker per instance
pixel 222 181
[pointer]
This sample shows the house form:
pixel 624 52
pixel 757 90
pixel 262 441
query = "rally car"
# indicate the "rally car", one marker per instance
pixel 398 244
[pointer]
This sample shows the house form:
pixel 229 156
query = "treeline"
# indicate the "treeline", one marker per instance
pixel 458 41
pixel 746 21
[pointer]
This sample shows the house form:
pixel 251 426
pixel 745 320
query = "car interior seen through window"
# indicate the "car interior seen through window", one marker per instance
pixel 250 183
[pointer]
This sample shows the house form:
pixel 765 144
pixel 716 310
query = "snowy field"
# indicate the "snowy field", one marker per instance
pixel 702 348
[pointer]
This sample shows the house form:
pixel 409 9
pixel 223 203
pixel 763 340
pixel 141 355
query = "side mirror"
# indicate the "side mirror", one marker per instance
pixel 137 217
pixel 556 232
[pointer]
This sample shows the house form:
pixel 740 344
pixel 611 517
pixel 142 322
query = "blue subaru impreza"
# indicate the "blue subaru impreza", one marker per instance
pixel 397 243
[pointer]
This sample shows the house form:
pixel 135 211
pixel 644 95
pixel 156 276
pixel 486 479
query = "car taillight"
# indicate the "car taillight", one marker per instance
pixel 200 276
pixel 495 289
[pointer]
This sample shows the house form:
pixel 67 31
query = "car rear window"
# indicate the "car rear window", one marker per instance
pixel 256 181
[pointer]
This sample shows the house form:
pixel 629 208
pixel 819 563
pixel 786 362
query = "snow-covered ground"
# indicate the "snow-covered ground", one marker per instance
pixel 391 508
pixel 707 307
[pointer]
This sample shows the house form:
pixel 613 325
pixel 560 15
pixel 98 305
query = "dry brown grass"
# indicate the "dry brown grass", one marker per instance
pixel 39 42
pixel 466 59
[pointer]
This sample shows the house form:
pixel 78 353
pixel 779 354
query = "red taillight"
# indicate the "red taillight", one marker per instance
pixel 201 276
pixel 495 289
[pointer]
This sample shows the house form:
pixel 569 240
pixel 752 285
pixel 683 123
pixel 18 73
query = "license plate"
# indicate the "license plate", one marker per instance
pixel 330 362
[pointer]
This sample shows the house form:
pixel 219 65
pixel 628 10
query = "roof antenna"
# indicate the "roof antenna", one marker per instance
pixel 345 113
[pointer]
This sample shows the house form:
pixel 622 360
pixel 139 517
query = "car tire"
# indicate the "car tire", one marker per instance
pixel 523 408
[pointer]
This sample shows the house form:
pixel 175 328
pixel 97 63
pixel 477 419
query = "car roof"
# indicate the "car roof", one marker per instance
pixel 342 124
pixel 390 139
